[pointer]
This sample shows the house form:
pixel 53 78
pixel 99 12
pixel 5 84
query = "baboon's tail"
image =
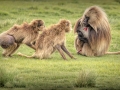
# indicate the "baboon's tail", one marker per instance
pixel 112 53
pixel 20 54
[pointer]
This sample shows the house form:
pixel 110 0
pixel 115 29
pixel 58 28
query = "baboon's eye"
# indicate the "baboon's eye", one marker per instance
pixel 78 31
pixel 79 24
pixel 38 24
pixel 87 17
pixel 85 21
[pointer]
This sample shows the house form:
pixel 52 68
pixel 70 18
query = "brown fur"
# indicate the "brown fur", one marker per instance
pixel 52 38
pixel 99 36
pixel 18 34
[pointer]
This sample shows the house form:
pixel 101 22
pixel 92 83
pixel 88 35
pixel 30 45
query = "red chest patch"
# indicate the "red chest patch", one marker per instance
pixel 85 28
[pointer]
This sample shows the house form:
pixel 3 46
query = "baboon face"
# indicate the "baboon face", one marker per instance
pixel 38 24
pixel 85 21
pixel 68 26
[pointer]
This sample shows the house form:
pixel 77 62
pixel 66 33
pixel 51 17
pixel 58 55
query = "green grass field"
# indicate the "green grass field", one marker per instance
pixel 55 73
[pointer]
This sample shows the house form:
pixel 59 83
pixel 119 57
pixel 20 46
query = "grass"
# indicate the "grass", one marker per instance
pixel 55 73
pixel 86 79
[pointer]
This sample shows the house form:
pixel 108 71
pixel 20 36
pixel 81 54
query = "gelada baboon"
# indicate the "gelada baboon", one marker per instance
pixel 51 39
pixel 26 33
pixel 93 33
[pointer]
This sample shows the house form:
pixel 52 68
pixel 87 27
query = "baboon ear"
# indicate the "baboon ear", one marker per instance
pixel 34 24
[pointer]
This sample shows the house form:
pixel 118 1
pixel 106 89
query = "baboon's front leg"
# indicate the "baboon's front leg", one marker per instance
pixel 58 47
pixel 66 51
